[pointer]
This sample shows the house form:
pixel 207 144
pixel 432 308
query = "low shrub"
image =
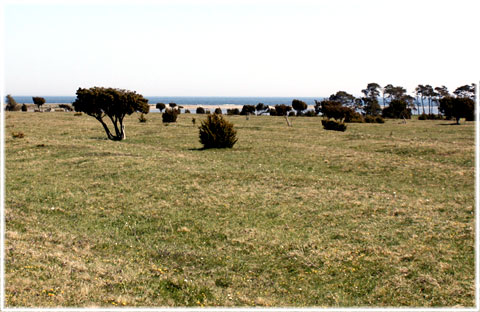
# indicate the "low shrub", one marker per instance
pixel 333 125
pixel 310 113
pixel 218 111
pixel 142 118
pixel 233 111
pixel 207 111
pixel 24 107
pixel 200 110
pixel 374 119
pixel 66 107
pixel 424 116
pixel 187 111
pixel 18 135
pixel 78 114
pixel 353 116
pixel 217 132
pixel 170 115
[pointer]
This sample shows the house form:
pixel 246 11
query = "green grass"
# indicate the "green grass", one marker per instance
pixel 380 215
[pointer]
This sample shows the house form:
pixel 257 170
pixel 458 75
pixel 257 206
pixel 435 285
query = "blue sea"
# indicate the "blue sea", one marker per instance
pixel 190 100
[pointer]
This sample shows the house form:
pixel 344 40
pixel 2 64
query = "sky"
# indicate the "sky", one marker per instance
pixel 238 48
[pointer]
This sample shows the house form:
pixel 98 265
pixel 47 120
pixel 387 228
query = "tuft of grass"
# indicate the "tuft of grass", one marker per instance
pixel 382 215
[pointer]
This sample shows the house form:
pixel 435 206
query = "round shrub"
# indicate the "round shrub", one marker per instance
pixel 379 119
pixel 170 115
pixel 24 108
pixel 200 110
pixel 217 132
pixel 218 111
pixel 333 125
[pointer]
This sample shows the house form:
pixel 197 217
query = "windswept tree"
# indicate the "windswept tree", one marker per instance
pixel 261 108
pixel 466 91
pixel 115 104
pixel 39 101
pixel 282 109
pixel 346 99
pixel 12 105
pixel 299 106
pixel 421 93
pixel 386 91
pixel 370 100
pixel 247 110
pixel 160 106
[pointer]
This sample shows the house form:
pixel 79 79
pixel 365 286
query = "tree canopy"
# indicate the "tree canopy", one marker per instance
pixel 457 107
pixel 299 106
pixel 39 101
pixel 115 104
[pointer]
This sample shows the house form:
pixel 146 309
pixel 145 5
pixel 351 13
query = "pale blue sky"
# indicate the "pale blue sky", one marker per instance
pixel 234 48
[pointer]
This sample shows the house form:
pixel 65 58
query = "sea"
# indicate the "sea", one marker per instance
pixel 190 100
pixel 213 101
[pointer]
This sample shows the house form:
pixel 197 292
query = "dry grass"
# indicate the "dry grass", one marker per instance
pixel 381 215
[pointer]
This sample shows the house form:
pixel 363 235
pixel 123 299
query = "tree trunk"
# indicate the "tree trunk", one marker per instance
pixel 105 127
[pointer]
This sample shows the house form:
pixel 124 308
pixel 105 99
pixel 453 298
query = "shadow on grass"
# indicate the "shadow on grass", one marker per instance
pixel 449 124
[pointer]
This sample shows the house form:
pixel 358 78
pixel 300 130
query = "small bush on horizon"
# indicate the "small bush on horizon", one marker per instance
pixel 424 116
pixel 200 110
pixel 170 115
pixel 218 111
pixel 217 132
pixel 24 108
pixel 187 111
pixel 66 107
pixel 310 113
pixel 233 111
pixel 333 125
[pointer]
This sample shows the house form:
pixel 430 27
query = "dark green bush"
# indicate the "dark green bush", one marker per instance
pixel 233 111
pixel 352 116
pixel 170 115
pixel 218 111
pixel 200 110
pixel 24 107
pixel 333 125
pixel 430 117
pixel 374 119
pixel 187 111
pixel 248 110
pixel 207 111
pixel 217 132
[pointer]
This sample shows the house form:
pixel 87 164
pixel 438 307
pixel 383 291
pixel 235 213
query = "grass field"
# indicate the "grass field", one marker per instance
pixel 380 215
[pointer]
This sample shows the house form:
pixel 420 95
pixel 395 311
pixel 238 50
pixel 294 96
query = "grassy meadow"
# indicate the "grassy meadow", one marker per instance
pixel 380 215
